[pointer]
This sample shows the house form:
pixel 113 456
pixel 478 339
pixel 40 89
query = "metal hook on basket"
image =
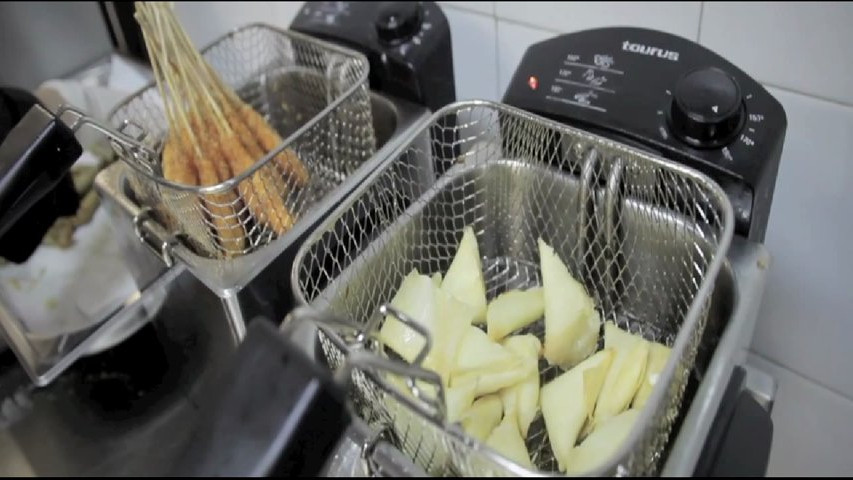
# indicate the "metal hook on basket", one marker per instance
pixel 324 319
pixel 150 233
pixel 586 212
pixel 80 120
pixel 614 259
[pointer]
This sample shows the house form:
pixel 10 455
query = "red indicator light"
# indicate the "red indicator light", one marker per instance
pixel 533 82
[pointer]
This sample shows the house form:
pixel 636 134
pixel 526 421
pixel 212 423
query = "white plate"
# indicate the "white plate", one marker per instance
pixel 62 291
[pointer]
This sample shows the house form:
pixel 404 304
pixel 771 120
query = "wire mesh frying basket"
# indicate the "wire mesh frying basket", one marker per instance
pixel 646 237
pixel 314 94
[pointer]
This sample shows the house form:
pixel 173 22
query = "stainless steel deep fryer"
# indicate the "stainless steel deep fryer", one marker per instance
pixel 647 238
pixel 314 93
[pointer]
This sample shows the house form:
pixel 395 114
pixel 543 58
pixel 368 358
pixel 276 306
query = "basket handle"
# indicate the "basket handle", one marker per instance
pixel 363 359
pixel 127 145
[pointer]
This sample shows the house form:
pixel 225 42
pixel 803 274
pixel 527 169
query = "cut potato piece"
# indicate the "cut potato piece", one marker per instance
pixel 415 298
pixel 492 381
pixel 458 399
pixel 488 364
pixel 625 375
pixel 604 442
pixel 454 320
pixel 568 401
pixel 436 279
pixel 478 352
pixel 571 321
pixel 444 317
pixel 482 417
pixel 464 278
pixel 506 440
pixel 524 345
pixel 522 400
pixel 514 310
pixel 658 356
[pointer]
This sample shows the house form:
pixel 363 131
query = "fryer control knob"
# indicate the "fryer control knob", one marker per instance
pixel 398 21
pixel 707 108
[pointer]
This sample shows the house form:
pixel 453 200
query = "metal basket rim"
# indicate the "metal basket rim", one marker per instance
pixel 682 339
pixel 232 182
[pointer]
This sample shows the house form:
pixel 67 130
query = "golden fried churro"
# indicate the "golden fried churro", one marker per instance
pixel 260 191
pixel 176 167
pixel 269 139
pixel 223 207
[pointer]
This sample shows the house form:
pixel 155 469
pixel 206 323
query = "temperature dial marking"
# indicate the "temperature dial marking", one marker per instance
pixel 579 84
pixel 746 140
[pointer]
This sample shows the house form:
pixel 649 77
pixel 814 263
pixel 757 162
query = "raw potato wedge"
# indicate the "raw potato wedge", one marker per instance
pixel 436 279
pixel 506 440
pixel 464 278
pixel 458 400
pixel 514 310
pixel 479 353
pixel 658 356
pixel 522 400
pixel 602 443
pixel 416 298
pixel 444 317
pixel 492 381
pixel 625 375
pixel 454 320
pixel 568 402
pixel 491 366
pixel 526 345
pixel 571 322
pixel 482 417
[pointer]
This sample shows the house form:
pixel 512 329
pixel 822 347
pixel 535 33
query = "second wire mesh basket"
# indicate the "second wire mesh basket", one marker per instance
pixel 645 236
pixel 314 94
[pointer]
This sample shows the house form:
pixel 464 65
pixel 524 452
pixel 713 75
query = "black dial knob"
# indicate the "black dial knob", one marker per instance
pixel 707 108
pixel 398 21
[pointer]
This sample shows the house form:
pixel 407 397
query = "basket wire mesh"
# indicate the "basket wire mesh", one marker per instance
pixel 645 236
pixel 314 94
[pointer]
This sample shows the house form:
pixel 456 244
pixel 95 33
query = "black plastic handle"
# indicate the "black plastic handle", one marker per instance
pixel 740 438
pixel 34 158
pixel 35 188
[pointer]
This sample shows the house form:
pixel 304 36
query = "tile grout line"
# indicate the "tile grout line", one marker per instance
pixel 801 376
pixel 812 96
pixel 502 19
pixel 699 28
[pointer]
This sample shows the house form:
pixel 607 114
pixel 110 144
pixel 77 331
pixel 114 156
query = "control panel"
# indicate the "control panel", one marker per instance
pixel 668 94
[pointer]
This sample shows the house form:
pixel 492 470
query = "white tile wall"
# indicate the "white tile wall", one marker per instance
pixel 804 46
pixel 206 21
pixel 475 63
pixel 806 321
pixel 680 18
